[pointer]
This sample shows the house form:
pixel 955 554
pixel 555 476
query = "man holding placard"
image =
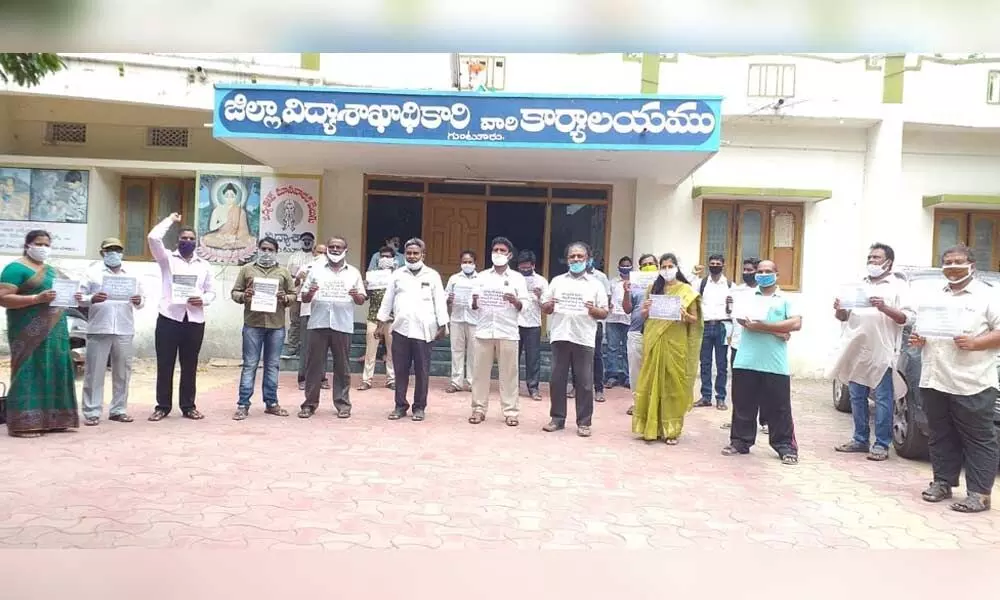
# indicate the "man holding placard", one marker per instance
pixel 186 287
pixel 577 302
pixel 761 375
pixel 305 311
pixel 958 330
pixel 334 287
pixel 462 327
pixel 375 284
pixel 497 299
pixel 874 314
pixel 529 322
pixel 113 296
pixel 635 289
pixel 298 259
pixel 265 289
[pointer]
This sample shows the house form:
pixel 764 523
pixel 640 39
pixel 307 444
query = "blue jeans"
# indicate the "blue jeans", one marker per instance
pixel 713 342
pixel 257 342
pixel 883 411
pixel 616 363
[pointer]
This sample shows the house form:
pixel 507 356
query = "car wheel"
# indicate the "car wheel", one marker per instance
pixel 841 397
pixel 907 439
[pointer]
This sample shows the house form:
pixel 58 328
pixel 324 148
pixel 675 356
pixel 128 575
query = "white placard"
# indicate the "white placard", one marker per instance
pixel 571 303
pixel 120 288
pixel 940 320
pixel 378 279
pixel 183 287
pixel 332 290
pixel 65 290
pixel 642 279
pixel 68 239
pixel 665 308
pixel 463 293
pixel 265 295
pixel 748 306
pixel 491 297
pixel 854 296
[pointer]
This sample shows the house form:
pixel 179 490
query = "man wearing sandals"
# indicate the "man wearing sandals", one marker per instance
pixel 263 331
pixel 869 350
pixel 180 328
pixel 416 302
pixel 761 377
pixel 497 299
pixel 577 301
pixel 110 331
pixel 958 386
pixel 331 324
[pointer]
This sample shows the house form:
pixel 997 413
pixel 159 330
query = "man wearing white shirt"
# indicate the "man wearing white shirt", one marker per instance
pixel 462 330
pixel 305 311
pixel 415 299
pixel 529 322
pixel 110 332
pixel 598 367
pixel 180 328
pixel 870 346
pixel 577 302
pixel 714 290
pixel 958 386
pixel 743 291
pixel 331 323
pixel 498 298
pixel 616 328
pixel 298 259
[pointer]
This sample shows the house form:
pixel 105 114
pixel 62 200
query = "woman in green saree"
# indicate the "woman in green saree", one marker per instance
pixel 42 396
pixel 671 350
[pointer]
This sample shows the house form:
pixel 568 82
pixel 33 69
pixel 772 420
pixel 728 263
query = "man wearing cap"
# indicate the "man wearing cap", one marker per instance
pixel 298 259
pixel 113 296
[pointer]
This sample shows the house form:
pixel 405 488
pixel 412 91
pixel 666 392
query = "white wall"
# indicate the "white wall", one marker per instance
pixel 6 130
pixel 950 94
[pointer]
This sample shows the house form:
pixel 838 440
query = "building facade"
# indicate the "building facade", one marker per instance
pixel 809 159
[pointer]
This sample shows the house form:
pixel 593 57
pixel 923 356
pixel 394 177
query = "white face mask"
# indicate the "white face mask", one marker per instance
pixel 876 271
pixel 386 263
pixel 669 274
pixel 500 260
pixel 468 269
pixel 336 257
pixel 964 278
pixel 415 266
pixel 39 253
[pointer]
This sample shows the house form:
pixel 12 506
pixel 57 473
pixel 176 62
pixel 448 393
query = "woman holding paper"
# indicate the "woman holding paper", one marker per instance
pixel 671 343
pixel 42 395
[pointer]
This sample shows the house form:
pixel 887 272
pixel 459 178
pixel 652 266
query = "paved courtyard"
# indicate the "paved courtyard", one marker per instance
pixel 366 482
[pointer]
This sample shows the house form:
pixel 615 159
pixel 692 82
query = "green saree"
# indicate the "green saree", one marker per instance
pixel 671 351
pixel 42 395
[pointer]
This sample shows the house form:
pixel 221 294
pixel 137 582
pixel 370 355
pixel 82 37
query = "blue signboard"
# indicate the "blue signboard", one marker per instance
pixel 468 119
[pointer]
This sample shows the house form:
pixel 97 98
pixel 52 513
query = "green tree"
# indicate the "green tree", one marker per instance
pixel 28 69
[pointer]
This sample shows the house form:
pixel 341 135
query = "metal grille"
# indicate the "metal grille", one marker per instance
pixel 66 133
pixel 771 81
pixel 167 137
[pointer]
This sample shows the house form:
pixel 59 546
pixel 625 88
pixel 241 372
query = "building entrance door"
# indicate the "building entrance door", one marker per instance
pixel 450 226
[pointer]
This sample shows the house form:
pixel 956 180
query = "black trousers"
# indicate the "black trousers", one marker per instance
pixel 771 395
pixel 598 366
pixel 732 359
pixel 531 345
pixel 318 343
pixel 407 352
pixel 177 340
pixel 962 433
pixel 567 358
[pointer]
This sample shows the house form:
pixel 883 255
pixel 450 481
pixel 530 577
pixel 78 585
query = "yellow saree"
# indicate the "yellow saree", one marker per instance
pixel 671 351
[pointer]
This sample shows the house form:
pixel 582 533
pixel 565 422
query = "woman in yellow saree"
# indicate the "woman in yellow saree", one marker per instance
pixel 42 394
pixel 671 351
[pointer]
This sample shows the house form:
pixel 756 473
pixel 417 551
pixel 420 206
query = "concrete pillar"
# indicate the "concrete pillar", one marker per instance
pixel 667 220
pixel 883 211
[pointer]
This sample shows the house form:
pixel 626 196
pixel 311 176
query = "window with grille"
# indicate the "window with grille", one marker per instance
pixel 771 81
pixel 993 88
pixel 167 137
pixel 65 133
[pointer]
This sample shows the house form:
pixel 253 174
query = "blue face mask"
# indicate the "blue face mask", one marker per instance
pixel 590 263
pixel 766 279
pixel 577 267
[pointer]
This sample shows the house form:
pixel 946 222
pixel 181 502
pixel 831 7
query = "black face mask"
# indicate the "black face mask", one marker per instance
pixel 715 269
pixel 750 279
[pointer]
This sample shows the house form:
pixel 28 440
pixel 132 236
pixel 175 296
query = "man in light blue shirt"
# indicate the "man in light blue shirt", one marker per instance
pixel 761 377
pixel 392 242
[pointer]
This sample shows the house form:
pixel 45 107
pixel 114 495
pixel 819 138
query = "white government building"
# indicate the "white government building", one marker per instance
pixel 804 158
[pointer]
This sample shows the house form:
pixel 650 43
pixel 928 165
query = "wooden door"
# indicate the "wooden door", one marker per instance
pixel 449 227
